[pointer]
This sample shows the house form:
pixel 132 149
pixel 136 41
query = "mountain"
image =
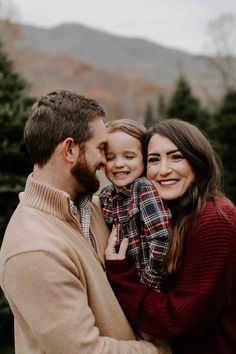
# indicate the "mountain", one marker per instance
pixel 123 73
pixel 134 58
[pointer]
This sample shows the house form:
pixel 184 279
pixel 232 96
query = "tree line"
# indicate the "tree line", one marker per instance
pixel 218 123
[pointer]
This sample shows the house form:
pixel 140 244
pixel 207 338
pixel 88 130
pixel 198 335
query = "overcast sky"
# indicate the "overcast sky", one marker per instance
pixel 178 24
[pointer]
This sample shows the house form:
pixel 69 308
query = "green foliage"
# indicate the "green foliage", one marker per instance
pixel 224 138
pixel 185 106
pixel 13 158
pixel 149 117
pixel 161 107
pixel 6 328
pixel 219 126
pixel 14 163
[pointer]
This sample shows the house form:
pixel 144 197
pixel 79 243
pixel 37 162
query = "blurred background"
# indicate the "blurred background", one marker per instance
pixel 145 60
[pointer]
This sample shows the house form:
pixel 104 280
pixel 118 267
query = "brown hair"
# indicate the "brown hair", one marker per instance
pixel 197 150
pixel 130 127
pixel 56 116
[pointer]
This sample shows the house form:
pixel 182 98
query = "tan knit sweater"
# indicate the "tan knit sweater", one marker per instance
pixel 56 284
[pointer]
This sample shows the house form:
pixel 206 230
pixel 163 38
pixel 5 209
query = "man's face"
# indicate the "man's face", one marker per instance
pixel 91 158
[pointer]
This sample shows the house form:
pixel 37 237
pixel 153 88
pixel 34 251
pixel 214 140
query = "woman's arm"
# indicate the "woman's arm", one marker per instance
pixel 196 295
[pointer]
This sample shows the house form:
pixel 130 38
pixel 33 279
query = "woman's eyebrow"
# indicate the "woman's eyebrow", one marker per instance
pixel 158 154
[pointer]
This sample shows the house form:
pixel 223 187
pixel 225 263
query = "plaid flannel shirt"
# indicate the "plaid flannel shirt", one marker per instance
pixel 139 214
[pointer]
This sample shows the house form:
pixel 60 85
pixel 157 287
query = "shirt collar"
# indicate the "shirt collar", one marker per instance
pixel 126 190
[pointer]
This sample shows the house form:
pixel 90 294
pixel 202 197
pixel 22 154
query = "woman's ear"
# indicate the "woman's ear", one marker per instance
pixel 70 150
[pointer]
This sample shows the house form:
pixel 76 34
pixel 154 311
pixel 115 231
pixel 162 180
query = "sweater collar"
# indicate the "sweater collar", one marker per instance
pixel 46 198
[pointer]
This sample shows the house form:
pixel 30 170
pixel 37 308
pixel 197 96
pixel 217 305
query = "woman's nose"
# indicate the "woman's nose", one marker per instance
pixel 164 167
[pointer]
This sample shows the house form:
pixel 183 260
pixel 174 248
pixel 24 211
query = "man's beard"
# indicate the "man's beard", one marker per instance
pixel 87 180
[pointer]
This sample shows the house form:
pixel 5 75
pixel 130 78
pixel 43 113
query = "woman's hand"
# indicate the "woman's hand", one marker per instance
pixel 110 252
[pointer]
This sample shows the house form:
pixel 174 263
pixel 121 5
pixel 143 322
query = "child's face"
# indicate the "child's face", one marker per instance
pixel 124 159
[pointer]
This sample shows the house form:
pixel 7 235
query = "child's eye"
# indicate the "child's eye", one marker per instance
pixel 129 157
pixel 109 158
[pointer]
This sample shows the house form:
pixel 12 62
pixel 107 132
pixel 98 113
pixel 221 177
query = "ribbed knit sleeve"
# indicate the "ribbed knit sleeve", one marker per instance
pixel 194 299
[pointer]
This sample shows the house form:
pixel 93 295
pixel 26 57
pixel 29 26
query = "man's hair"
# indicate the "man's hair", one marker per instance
pixel 55 117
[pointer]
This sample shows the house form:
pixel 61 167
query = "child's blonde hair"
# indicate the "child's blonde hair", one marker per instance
pixel 128 126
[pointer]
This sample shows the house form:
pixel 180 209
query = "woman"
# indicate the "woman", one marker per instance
pixel 196 310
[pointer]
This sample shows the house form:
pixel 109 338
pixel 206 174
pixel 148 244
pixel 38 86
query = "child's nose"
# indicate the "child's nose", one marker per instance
pixel 119 162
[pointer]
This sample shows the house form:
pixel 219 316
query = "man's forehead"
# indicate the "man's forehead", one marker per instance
pixel 99 131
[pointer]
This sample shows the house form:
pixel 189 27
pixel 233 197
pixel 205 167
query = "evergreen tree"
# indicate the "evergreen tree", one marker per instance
pixel 185 106
pixel 13 158
pixel 224 137
pixel 14 165
pixel 149 118
pixel 161 107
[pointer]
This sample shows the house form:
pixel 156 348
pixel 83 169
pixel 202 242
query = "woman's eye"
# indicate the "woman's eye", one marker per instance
pixel 153 160
pixel 177 157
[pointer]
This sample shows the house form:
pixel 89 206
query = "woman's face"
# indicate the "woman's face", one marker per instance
pixel 167 169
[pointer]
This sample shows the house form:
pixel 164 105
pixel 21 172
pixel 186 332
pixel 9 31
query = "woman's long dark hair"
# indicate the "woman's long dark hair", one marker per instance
pixel 197 150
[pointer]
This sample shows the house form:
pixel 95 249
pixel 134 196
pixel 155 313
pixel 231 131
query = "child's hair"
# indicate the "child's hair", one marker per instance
pixel 128 126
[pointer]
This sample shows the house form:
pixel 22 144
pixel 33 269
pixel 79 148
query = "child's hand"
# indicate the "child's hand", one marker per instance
pixel 110 252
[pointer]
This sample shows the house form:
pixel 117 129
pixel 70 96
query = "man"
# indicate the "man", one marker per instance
pixel 52 256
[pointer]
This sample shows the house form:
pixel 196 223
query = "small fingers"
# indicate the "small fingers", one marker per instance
pixel 113 231
pixel 111 243
pixel 110 251
pixel 123 248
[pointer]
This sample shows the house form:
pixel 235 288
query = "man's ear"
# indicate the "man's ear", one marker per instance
pixel 70 150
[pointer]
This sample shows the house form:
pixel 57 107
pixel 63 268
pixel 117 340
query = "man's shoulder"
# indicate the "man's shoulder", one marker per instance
pixel 96 206
pixel 95 200
pixel 96 210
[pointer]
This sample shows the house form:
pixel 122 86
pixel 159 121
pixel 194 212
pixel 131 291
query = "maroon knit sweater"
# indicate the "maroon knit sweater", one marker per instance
pixel 196 311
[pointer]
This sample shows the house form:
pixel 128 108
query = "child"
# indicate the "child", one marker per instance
pixel 131 202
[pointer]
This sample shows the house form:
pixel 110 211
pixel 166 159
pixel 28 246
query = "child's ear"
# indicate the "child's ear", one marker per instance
pixel 70 150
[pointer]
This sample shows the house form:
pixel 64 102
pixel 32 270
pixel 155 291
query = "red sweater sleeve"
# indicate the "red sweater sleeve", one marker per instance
pixel 195 296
